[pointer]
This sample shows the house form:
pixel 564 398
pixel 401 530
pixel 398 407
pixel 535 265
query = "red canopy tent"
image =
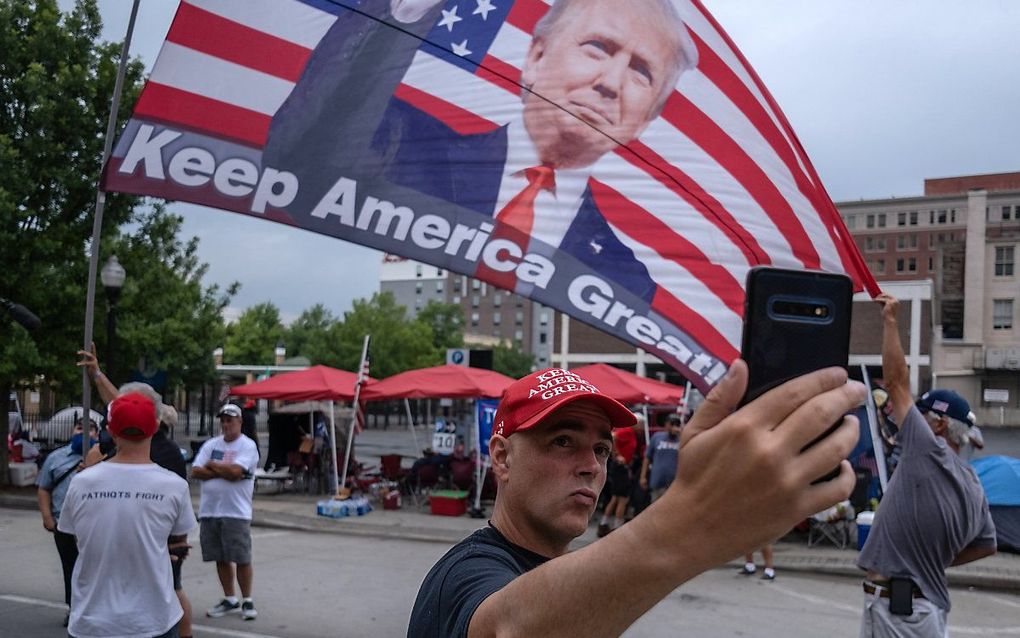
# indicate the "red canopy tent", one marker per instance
pixel 314 383
pixel 627 387
pixel 440 381
pixel 311 384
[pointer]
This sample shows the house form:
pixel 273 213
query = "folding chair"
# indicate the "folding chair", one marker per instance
pixel 832 525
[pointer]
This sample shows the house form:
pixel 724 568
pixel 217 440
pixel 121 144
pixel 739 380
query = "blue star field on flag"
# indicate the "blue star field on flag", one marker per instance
pixel 466 30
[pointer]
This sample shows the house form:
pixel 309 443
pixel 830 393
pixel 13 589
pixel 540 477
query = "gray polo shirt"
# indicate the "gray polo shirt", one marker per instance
pixel 934 508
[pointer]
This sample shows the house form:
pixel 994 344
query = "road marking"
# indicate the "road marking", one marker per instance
pixel 229 632
pixel 269 534
pixel 985 631
pixel 814 599
pixel 33 601
pixel 204 628
pixel 1004 601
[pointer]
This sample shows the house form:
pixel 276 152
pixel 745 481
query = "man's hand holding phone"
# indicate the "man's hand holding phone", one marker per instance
pixel 746 474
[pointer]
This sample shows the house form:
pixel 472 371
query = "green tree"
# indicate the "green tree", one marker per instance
pixel 446 320
pixel 512 361
pixel 398 343
pixel 253 337
pixel 56 81
pixel 310 334
pixel 166 319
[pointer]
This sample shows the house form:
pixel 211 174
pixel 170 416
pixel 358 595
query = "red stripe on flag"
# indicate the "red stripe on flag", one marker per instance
pixel 526 13
pixel 200 113
pixel 219 37
pixel 460 120
pixel 649 230
pixel 505 76
pixel 723 76
pixel 850 255
pixel 670 176
pixel 703 131
pixel 696 326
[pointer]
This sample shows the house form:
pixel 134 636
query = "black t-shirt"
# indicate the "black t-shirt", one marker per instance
pixel 165 453
pixel 475 568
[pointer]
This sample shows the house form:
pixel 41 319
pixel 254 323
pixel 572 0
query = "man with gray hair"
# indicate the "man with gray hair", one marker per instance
pixel 934 513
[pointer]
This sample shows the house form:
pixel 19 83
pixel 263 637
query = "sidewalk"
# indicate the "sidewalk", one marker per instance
pixel 297 512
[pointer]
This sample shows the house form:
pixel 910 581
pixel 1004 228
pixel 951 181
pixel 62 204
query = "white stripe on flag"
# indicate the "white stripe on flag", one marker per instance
pixel 288 20
pixel 215 78
pixel 461 88
pixel 697 23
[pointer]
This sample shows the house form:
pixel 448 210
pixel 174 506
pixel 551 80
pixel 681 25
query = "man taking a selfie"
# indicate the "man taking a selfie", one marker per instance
pixel 744 481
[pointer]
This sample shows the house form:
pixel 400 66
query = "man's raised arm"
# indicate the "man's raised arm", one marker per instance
pixel 743 480
pixel 894 364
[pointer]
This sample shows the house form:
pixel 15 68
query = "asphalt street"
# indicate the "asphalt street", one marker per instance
pixel 309 584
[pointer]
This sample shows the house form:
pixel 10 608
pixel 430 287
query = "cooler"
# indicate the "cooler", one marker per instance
pixel 448 502
pixel 864 520
pixel 23 474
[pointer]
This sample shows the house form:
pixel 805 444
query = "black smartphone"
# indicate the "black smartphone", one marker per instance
pixel 901 596
pixel 795 322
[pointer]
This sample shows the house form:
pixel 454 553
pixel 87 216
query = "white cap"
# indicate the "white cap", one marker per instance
pixel 230 410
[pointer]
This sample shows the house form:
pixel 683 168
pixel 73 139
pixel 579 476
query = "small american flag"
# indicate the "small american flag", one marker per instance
pixel 363 376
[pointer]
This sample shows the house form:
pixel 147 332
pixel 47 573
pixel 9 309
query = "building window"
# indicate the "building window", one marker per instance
pixel 542 337
pixel 942 216
pixel 1002 314
pixel 880 243
pixel 1005 212
pixel 906 242
pixel 1004 261
pixel 518 335
pixel 417 270
pixel 931 264
pixel 952 216
pixel 418 287
pixel 456 299
pixel 870 221
pixel 877 266
pixel 475 300
pixel 913 218
pixel 439 272
pixel 931 241
pixel 497 300
pixel 912 264
pixel 439 286
pixel 474 319
pixel 497 318
pixel 543 318
pixel 881 220
pixel 901 219
pixel 850 221
pixel 519 318
pixel 475 284
pixel 901 265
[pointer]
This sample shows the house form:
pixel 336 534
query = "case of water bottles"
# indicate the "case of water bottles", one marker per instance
pixel 331 508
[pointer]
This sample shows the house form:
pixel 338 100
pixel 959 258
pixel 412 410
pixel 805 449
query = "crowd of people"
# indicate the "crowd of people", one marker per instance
pixel 727 481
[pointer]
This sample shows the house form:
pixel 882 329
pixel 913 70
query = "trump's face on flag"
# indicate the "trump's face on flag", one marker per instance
pixel 596 74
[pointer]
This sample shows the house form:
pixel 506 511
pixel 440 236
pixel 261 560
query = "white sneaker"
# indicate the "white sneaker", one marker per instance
pixel 248 611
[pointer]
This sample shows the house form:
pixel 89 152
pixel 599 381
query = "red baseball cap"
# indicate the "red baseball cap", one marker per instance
pixel 133 411
pixel 531 399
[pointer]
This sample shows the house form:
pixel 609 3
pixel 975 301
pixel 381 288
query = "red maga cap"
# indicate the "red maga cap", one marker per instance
pixel 133 410
pixel 531 399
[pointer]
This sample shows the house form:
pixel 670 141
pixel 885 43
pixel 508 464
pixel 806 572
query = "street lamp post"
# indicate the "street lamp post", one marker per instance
pixel 112 275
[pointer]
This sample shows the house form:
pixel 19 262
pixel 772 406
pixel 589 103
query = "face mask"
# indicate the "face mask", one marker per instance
pixel 76 444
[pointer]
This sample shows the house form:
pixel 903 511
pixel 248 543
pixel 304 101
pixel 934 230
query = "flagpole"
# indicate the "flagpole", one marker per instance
pixel 354 417
pixel 97 220
pixel 332 443
pixel 876 434
pixel 410 424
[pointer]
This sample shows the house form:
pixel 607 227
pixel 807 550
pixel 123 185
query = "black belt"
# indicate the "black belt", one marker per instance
pixel 882 589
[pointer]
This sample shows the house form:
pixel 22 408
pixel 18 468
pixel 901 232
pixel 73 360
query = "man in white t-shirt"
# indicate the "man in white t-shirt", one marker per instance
pixel 125 513
pixel 226 467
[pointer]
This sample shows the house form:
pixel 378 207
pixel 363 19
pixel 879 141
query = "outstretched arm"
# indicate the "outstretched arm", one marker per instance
pixel 894 363
pixel 107 391
pixel 744 480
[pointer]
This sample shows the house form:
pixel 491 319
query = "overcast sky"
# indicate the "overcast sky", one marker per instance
pixel 881 95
